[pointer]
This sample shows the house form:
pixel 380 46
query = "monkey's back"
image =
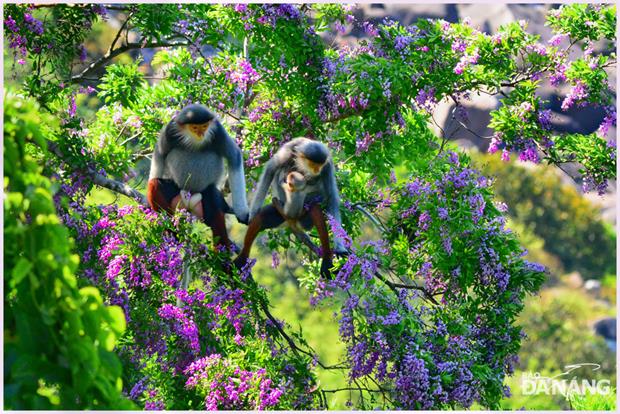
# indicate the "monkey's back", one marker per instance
pixel 194 171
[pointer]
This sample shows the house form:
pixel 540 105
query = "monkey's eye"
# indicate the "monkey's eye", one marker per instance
pixel 314 166
pixel 199 129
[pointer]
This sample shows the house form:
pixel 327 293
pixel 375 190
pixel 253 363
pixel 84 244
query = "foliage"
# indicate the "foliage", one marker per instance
pixel 558 329
pixel 594 402
pixel 446 338
pixel 569 224
pixel 59 339
pixel 522 124
pixel 559 320
pixel 427 312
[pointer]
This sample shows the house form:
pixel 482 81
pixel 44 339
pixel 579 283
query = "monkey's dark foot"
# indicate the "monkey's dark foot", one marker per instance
pixel 239 262
pixel 244 266
pixel 326 266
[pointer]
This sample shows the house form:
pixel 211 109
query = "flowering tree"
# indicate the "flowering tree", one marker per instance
pixel 427 308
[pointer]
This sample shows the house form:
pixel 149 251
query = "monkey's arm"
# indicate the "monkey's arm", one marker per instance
pixel 263 186
pixel 330 190
pixel 236 177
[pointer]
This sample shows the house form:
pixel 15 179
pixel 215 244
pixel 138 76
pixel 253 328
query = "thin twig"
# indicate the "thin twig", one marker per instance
pixel 371 217
pixel 352 389
pixel 118 35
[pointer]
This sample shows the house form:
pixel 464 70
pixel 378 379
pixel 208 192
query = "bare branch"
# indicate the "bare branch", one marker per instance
pixel 118 187
pixel 102 181
pixel 353 389
pixel 99 63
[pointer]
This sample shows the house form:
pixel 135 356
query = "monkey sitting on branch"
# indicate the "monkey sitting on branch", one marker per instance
pixel 301 173
pixel 187 170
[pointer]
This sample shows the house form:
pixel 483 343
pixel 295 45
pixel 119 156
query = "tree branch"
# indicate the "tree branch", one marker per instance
pixel 102 61
pixel 353 389
pixel 118 35
pixel 102 181
pixel 370 217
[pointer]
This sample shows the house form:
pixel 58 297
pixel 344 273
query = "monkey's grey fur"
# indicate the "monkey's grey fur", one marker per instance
pixel 193 165
pixel 286 160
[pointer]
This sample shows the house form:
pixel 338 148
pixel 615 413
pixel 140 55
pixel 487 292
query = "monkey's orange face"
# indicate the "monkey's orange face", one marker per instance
pixel 197 131
pixel 310 166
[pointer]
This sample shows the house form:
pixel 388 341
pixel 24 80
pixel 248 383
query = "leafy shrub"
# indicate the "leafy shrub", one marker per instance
pixel 594 402
pixel 59 339
pixel 570 226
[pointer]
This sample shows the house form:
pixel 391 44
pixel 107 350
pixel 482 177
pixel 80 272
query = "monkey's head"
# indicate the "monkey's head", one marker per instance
pixel 196 124
pixel 295 181
pixel 311 158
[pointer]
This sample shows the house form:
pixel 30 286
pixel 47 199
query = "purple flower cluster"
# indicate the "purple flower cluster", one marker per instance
pixel 544 118
pixel 32 24
pixel 459 46
pixel 465 61
pixel 228 387
pixel 590 183
pixel 244 76
pixel 608 122
pixel 100 10
pixel 23 35
pixel 370 29
pixel 557 39
pixel 183 325
pixel 402 42
pixel 267 13
pixel 362 145
pixel 426 100
pixel 537 49
pixel 559 75
pixel 412 384
pixel 231 305
pixel 577 94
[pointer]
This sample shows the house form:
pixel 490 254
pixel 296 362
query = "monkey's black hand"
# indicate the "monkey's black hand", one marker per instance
pixel 243 218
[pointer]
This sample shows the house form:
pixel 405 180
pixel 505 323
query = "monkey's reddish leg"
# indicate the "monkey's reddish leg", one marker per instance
pixel 218 226
pixel 254 227
pixel 267 218
pixel 318 219
pixel 156 198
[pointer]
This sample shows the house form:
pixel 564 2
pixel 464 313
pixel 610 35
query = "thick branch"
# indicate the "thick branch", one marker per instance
pixel 118 187
pixel 102 61
pixel 102 181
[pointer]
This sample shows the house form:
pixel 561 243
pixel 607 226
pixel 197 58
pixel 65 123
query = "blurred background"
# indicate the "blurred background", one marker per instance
pixel 572 320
